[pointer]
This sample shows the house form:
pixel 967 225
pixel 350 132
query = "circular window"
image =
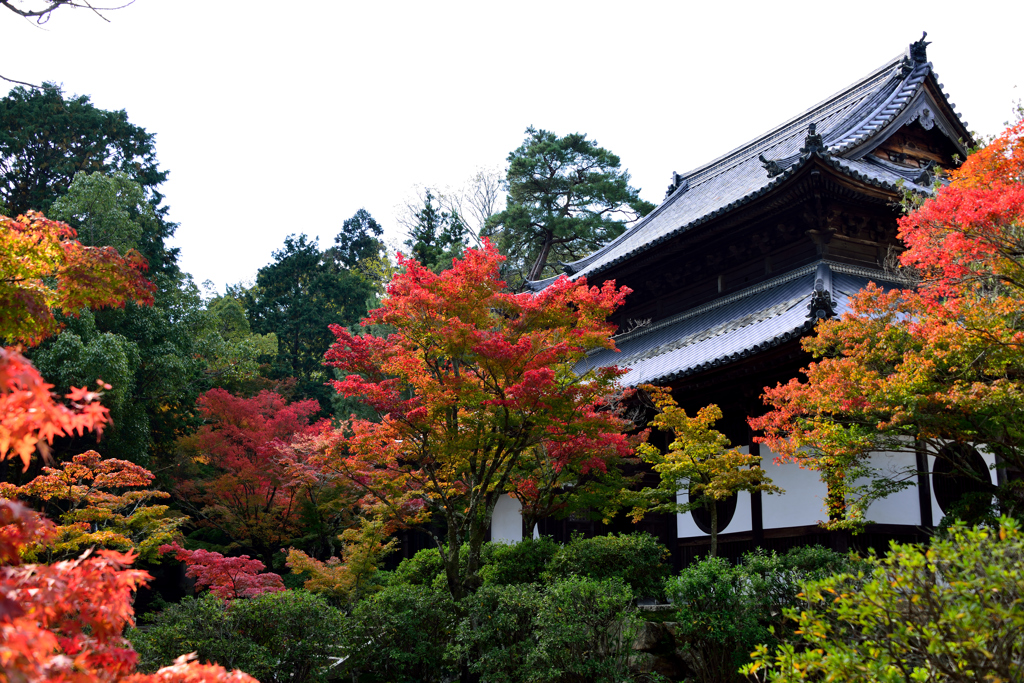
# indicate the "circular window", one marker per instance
pixel 702 516
pixel 952 482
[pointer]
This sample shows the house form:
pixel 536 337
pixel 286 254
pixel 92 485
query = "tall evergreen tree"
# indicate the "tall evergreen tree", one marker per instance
pixel 358 240
pixel 566 198
pixel 297 297
pixel 46 138
pixel 436 236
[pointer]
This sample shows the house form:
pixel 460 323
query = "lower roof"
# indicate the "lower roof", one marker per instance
pixel 735 326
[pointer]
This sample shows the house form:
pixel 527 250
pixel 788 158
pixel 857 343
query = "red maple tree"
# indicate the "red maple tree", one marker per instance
pixel 252 494
pixel 471 382
pixel 227 577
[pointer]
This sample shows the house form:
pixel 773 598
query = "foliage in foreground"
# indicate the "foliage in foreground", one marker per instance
pixel 285 636
pixel 573 629
pixel 952 612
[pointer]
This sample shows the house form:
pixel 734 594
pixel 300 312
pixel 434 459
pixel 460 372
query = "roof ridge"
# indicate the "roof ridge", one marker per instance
pixel 789 128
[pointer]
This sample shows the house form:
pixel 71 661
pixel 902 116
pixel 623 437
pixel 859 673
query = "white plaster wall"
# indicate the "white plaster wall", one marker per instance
pixel 741 520
pixel 507 522
pixel 902 507
pixel 802 504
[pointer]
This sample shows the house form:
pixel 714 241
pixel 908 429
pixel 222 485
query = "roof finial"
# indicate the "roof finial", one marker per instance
pixel 814 142
pixel 773 167
pixel 678 182
pixel 919 50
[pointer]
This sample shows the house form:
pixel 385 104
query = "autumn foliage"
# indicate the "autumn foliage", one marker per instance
pixel 43 268
pixel 248 486
pixel 64 621
pixel 29 416
pixel 919 368
pixel 98 502
pixel 226 577
pixel 699 461
pixel 472 380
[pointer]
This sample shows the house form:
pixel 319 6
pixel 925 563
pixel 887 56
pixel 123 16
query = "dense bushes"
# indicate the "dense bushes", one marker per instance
pixel 544 613
pixel 507 564
pixel 574 629
pixel 725 611
pixel 288 636
pixel 950 612
pixel 402 633
pixel 635 559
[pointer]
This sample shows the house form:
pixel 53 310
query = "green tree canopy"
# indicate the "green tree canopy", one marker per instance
pixel 108 210
pixel 359 240
pixel 566 197
pixel 47 138
pixel 436 236
pixel 297 297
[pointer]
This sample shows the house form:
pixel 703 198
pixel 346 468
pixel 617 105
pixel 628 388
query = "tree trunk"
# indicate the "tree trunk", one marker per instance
pixel 542 258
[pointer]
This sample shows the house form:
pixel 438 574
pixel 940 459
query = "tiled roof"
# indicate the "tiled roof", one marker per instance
pixel 731 327
pixel 845 121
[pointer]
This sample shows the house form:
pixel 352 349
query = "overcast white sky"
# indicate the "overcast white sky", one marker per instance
pixel 286 117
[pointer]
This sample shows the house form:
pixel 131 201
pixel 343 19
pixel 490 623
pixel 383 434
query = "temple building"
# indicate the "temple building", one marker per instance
pixel 741 259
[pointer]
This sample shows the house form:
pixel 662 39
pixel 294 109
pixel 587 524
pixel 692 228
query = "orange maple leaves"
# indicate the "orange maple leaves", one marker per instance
pixel 30 418
pixel 921 367
pixel 43 268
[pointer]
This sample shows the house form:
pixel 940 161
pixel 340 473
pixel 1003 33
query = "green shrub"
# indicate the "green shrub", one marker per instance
pixel 288 636
pixel 635 559
pixel 585 630
pixel 950 612
pixel 497 634
pixel 402 633
pixel 715 625
pixel 725 611
pixel 419 570
pixel 507 564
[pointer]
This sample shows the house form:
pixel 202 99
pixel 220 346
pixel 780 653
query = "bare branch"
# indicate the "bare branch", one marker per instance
pixel 42 14
pixel 11 80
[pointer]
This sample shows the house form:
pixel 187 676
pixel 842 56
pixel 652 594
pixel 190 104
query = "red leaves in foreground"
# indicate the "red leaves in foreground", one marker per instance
pixel 30 418
pixel 226 577
pixel 63 621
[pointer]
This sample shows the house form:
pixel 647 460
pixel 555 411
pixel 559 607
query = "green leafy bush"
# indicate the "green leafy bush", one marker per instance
pixel 585 630
pixel 635 559
pixel 287 636
pixel 419 570
pixel 952 612
pixel 497 636
pixel 725 611
pixel 517 563
pixel 402 633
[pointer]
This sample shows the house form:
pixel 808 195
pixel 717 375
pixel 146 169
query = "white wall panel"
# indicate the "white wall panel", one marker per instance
pixel 802 504
pixel 902 507
pixel 507 522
